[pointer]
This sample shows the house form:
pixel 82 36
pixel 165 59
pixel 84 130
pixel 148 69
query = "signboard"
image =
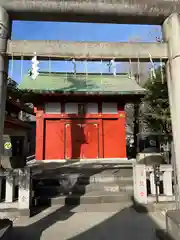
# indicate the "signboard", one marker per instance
pixel 7 145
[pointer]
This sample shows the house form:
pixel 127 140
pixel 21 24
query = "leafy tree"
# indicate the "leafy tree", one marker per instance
pixel 12 84
pixel 12 89
pixel 156 112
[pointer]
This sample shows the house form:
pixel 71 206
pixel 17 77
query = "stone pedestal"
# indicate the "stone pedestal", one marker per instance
pixel 140 186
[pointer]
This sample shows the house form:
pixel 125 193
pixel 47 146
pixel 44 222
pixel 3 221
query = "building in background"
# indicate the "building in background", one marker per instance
pixel 81 116
pixel 19 119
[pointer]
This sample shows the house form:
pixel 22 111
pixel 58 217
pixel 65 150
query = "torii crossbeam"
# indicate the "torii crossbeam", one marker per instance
pixel 112 11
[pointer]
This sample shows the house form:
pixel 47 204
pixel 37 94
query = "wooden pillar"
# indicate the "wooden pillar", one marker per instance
pixel 171 30
pixel 39 135
pixel 122 123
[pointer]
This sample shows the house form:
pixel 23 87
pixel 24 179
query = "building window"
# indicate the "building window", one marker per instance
pixel 81 108
pixel 109 108
pixel 92 108
pixel 71 108
pixel 53 108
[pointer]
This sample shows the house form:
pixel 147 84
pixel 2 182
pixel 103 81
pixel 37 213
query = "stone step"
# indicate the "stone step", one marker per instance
pixel 86 175
pixel 74 179
pixel 87 169
pixel 79 188
pixel 88 198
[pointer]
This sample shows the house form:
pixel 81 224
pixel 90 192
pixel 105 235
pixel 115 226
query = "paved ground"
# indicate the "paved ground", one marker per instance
pixel 89 223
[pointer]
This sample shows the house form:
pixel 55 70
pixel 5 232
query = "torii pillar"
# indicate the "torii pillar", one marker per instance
pixel 171 31
pixel 4 35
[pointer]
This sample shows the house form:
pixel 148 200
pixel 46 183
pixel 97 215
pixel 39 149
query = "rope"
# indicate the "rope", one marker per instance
pixel 86 70
pixel 66 78
pixel 138 71
pixel 161 69
pixel 49 65
pixel 130 63
pixel 153 68
pixel 101 72
pixel 74 68
pixel 86 63
pixel 113 65
pixel 22 59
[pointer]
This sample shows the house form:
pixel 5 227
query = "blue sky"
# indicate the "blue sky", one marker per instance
pixel 75 32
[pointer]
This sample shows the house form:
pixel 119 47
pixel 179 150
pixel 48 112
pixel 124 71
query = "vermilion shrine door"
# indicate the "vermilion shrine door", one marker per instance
pixel 81 140
pixel 91 146
pixel 74 140
pixel 54 140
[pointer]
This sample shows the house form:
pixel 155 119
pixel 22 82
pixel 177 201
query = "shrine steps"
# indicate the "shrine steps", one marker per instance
pixel 88 198
pixel 75 186
pixel 93 187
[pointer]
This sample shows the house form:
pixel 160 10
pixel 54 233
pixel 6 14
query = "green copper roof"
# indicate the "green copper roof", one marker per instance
pixel 81 83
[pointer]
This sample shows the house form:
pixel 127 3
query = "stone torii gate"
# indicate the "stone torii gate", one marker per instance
pixel 164 12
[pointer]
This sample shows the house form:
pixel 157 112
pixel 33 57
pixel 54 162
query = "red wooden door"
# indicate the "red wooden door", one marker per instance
pixel 81 140
pixel 74 140
pixel 91 145
pixel 112 139
pixel 54 139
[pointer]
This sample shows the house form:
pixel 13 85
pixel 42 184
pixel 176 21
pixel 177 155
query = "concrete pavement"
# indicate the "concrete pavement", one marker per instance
pixel 90 222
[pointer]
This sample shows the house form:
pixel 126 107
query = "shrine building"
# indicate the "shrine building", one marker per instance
pixel 80 116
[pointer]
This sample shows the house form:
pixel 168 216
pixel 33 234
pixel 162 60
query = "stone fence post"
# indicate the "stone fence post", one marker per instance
pixel 25 191
pixel 140 184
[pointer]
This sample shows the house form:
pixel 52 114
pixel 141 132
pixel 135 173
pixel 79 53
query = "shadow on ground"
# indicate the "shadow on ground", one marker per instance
pixel 127 224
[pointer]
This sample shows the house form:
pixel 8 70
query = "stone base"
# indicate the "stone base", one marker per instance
pixel 15 212
pixel 5 229
pixel 149 158
pixel 173 224
pixel 25 212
